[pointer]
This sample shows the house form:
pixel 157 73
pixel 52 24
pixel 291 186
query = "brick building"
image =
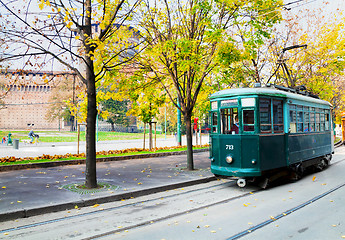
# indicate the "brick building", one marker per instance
pixel 26 99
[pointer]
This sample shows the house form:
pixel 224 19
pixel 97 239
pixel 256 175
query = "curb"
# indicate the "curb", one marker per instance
pixel 24 213
pixel 82 161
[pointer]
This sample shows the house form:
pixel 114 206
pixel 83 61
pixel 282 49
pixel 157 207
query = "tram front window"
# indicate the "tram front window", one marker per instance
pixel 248 120
pixel 229 118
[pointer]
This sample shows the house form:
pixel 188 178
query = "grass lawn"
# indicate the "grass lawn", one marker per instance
pixel 98 156
pixel 65 136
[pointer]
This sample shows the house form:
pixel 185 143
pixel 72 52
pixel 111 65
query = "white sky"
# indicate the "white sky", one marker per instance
pixel 328 9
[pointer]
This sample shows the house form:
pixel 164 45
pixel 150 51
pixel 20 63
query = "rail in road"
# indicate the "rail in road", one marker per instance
pixel 215 210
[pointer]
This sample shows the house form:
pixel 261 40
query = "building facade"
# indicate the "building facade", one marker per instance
pixel 27 98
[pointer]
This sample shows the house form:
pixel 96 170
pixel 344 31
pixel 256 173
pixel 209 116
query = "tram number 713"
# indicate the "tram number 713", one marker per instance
pixel 229 147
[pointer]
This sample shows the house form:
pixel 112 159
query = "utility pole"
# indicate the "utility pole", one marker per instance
pixel 179 138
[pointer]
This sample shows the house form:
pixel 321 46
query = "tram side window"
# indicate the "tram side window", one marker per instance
pixel 278 124
pixel 317 122
pixel 299 118
pixel 229 120
pixel 265 115
pixel 292 118
pixel 248 120
pixel 322 122
pixel 312 122
pixel 214 122
pixel 306 119
pixel 326 120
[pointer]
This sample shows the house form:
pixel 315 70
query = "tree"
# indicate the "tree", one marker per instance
pixel 317 61
pixel 187 41
pixel 145 98
pixel 117 112
pixel 76 35
pixel 65 90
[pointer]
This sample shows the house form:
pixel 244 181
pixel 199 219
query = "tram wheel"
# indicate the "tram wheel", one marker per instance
pixel 241 182
pixel 322 164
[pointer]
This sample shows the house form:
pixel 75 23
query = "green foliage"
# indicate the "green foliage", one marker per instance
pixel 117 111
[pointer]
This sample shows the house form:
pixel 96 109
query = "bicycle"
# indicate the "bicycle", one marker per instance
pixel 35 141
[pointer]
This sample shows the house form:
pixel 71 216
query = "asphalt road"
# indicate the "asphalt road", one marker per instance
pixel 311 208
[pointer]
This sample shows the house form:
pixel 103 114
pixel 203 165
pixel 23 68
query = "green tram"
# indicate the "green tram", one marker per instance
pixel 259 134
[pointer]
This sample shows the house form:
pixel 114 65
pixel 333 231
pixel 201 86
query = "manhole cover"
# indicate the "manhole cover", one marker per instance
pixel 80 188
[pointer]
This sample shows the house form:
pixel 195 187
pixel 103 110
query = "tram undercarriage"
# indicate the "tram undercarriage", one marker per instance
pixel 293 172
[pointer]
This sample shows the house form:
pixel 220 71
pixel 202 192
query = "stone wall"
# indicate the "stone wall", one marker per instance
pixel 26 100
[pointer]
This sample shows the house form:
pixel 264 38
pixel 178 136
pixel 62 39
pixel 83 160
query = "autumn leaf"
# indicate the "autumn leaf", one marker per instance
pixel 314 178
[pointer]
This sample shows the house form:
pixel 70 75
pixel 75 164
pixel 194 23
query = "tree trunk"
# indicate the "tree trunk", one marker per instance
pixel 90 171
pixel 189 135
pixel 144 136
pixel 150 136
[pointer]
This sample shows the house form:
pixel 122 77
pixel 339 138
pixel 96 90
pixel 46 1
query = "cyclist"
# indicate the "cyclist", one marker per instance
pixel 32 135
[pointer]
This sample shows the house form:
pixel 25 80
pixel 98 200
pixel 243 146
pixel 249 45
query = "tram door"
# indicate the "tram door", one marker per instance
pixel 272 137
pixel 229 138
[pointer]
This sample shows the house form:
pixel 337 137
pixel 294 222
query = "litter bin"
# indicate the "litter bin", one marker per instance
pixel 16 143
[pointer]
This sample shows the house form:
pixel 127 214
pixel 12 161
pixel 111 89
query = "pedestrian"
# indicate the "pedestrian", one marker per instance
pixel 3 141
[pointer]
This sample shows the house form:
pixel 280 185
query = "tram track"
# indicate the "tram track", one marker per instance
pixel 239 235
pixel 284 214
pixel 139 203
pixel 134 204
pixel 152 221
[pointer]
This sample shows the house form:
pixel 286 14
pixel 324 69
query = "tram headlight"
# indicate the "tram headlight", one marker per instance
pixel 229 159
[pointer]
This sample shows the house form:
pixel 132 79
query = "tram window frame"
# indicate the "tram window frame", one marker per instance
pixel 300 119
pixel 312 121
pixel 214 122
pixel 248 127
pixel 265 115
pixel 327 122
pixel 317 122
pixel 292 118
pixel 306 113
pixel 322 122
pixel 278 115
pixel 228 121
pixel 308 119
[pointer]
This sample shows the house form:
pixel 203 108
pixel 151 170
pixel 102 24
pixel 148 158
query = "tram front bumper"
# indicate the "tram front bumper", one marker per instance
pixel 235 172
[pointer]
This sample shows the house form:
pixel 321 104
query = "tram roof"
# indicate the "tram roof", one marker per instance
pixel 266 92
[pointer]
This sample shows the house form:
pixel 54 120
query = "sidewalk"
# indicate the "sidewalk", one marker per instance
pixel 29 192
